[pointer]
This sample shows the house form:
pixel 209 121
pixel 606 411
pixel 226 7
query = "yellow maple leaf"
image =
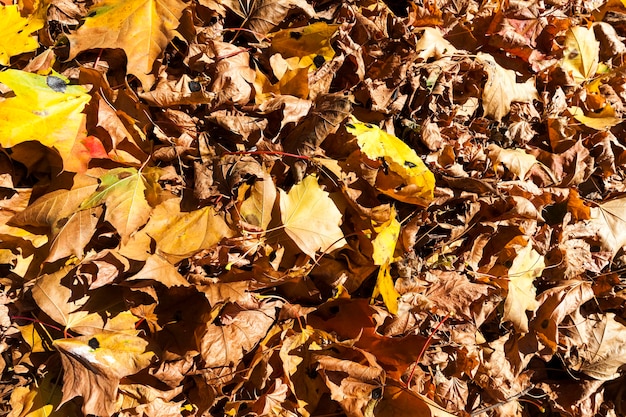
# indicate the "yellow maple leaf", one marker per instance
pixel 406 177
pixel 384 246
pixel 581 53
pixel 527 265
pixel 15 33
pixel 142 28
pixel 45 109
pixel 310 44
pixel 311 219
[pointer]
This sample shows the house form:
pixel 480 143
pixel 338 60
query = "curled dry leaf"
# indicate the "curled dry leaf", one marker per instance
pixel 94 366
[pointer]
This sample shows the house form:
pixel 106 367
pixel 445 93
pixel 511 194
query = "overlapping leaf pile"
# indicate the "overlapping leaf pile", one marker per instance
pixel 312 208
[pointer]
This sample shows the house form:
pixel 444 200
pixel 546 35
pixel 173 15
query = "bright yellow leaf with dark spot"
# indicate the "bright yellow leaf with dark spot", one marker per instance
pixel 45 109
pixel 15 33
pixel 310 43
pixel 142 28
pixel 403 176
pixel 94 365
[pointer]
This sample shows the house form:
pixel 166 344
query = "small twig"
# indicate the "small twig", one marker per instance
pixel 426 345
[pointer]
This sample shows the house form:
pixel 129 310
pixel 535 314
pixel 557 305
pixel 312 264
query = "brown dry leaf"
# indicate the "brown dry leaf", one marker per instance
pixel 601 342
pixel 452 292
pixel 237 331
pixel 398 401
pixel 70 303
pixel 502 88
pixel 261 16
pixel 94 365
pixel 142 28
pixel 353 376
pixel 311 218
pixel 554 305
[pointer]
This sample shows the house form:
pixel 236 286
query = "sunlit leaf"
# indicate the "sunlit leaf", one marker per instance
pixel 580 55
pixel 310 44
pixel 127 194
pixel 408 179
pixel 311 219
pixel 45 109
pixel 142 28
pixel 15 33
pixel 93 366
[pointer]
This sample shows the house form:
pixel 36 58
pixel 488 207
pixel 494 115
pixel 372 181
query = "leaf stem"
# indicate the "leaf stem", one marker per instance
pixel 426 345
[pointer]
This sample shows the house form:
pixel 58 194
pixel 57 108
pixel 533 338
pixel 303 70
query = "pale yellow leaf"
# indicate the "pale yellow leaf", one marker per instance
pixel 502 88
pixel 580 55
pixel 527 265
pixel 311 219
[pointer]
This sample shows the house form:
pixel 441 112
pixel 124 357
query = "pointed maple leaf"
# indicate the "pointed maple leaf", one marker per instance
pixel 15 33
pixel 527 266
pixel 502 88
pixel 45 109
pixel 127 194
pixel 311 219
pixel 142 28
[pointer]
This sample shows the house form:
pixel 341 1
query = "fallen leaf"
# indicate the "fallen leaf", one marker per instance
pixel 128 195
pixel 502 88
pixel 384 247
pixel 527 265
pixel 94 365
pixel 602 120
pixel 16 33
pixel 142 28
pixel 310 44
pixel 45 109
pixel 407 178
pixel 310 218
pixel 515 160
pixel 580 54
pixel 601 341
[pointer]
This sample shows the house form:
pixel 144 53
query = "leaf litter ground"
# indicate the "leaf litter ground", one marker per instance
pixel 312 208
